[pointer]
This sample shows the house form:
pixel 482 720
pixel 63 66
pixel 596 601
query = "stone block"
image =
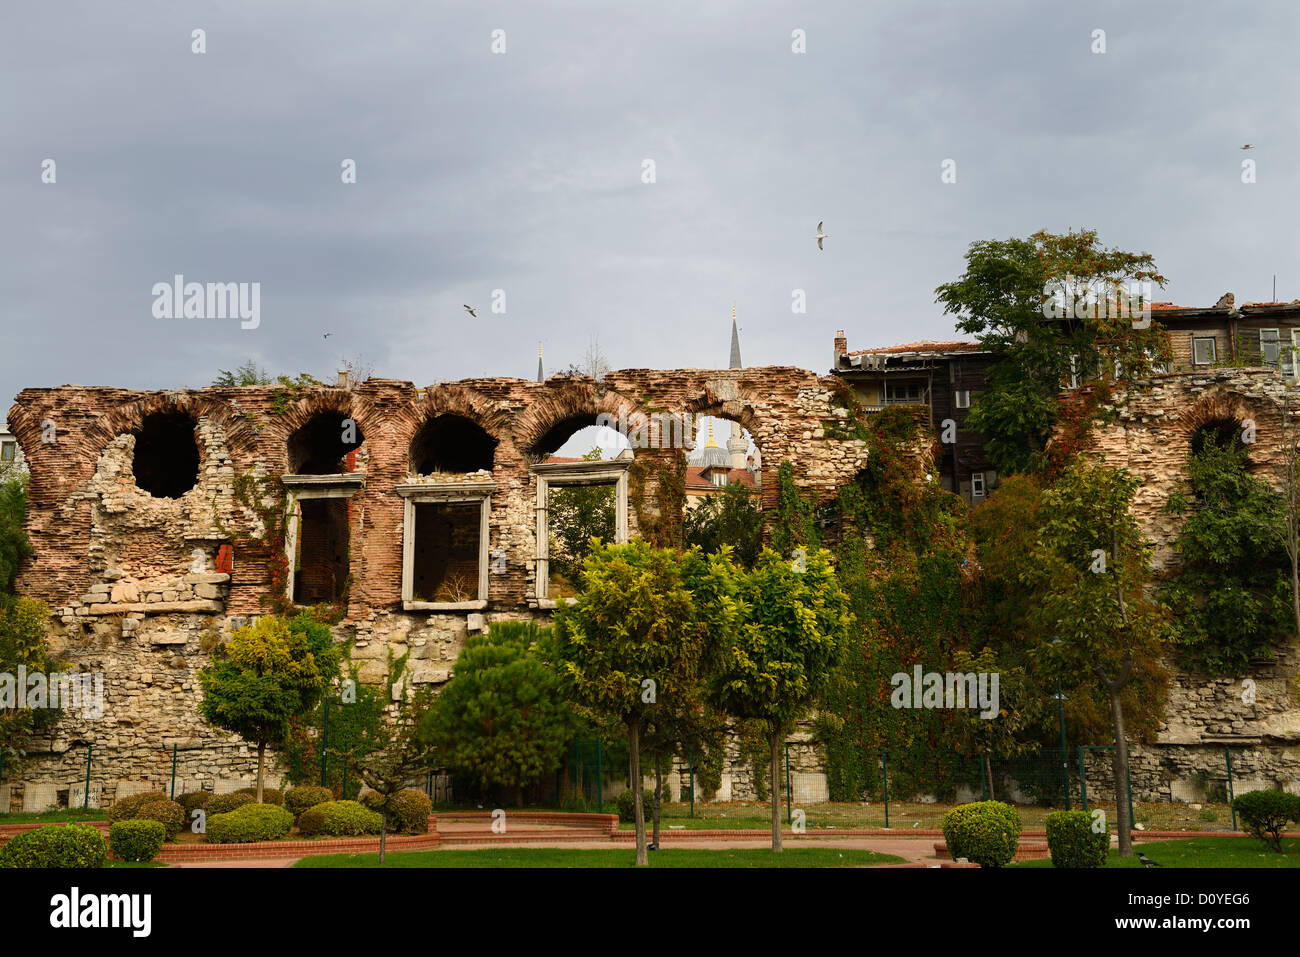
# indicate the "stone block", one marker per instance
pixel 39 796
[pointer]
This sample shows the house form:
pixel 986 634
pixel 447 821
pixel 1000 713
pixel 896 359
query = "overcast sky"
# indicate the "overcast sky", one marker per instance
pixel 522 171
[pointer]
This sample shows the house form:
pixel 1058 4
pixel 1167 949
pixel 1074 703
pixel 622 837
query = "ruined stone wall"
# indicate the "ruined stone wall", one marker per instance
pixel 1151 436
pixel 143 588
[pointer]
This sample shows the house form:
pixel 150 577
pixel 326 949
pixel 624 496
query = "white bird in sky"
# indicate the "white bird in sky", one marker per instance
pixel 1249 146
pixel 471 311
pixel 820 235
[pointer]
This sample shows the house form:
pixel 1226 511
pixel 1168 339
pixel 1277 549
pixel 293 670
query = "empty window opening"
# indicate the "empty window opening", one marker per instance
pixel 166 462
pixel 451 443
pixel 574 515
pixel 321 552
pixel 446 566
pixel 322 446
pixel 580 439
pixel 1223 433
pixel 1204 352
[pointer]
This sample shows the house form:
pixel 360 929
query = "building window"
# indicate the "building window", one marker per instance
pixel 720 478
pixel 1286 358
pixel 903 393
pixel 1269 347
pixel 1204 352
pixel 977 486
pixel 963 398
pixel 445 545
pixel 318 539
pixel 1076 378
pixel 8 451
pixel 576 500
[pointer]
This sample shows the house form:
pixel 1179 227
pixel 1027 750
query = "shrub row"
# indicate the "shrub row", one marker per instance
pixel 408 812
pixel 248 824
pixel 339 819
pixel 136 840
pixel 56 845
pixel 299 799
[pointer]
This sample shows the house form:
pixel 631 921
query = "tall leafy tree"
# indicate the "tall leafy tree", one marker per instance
pixel 1091 574
pixel 639 634
pixel 792 631
pixel 732 518
pixel 23 627
pixel 14 544
pixel 266 674
pixel 1006 298
pixel 501 716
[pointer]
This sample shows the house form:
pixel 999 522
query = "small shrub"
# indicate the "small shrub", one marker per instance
pixel 57 845
pixel 408 812
pixel 269 795
pixel 340 819
pixel 1072 842
pixel 1264 814
pixel 225 803
pixel 299 799
pixel 194 800
pixel 626 808
pixel 128 808
pixel 1208 814
pixel 986 832
pixel 170 813
pixel 137 840
pixel 371 799
pixel 249 823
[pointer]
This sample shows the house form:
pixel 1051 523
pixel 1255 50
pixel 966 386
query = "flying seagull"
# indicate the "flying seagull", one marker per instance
pixel 1249 146
pixel 820 235
pixel 471 311
pixel 328 334
pixel 1146 861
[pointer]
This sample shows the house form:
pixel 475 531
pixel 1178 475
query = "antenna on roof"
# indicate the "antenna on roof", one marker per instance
pixel 1274 299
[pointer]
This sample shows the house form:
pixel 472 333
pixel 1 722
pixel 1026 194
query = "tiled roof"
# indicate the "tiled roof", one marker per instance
pixel 694 478
pixel 923 346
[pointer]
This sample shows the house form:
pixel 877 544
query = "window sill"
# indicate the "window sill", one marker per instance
pixel 478 605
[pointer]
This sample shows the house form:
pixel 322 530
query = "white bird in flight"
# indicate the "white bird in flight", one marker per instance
pixel 471 311
pixel 820 235
pixel 1249 146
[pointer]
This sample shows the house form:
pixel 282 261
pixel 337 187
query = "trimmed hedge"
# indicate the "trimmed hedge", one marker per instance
pixel 1265 813
pixel 269 795
pixel 128 808
pixel 627 804
pixel 56 845
pixel 225 803
pixel 170 813
pixel 299 799
pixel 408 812
pixel 339 819
pixel 986 832
pixel 1072 841
pixel 137 840
pixel 248 824
pixel 194 801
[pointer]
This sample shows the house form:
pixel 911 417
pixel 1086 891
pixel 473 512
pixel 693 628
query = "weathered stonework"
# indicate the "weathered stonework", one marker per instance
pixel 117 564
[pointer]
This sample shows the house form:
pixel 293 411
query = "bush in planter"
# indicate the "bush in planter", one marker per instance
pixel 194 801
pixel 170 813
pixel 299 799
pixel 269 795
pixel 248 824
pixel 408 812
pixel 1072 841
pixel 986 832
pixel 56 845
pixel 1264 814
pixel 225 803
pixel 626 808
pixel 128 808
pixel 137 840
pixel 339 819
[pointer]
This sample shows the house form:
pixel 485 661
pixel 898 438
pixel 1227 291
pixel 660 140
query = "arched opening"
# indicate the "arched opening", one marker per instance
pixel 1222 433
pixel 580 438
pixel 451 443
pixel 724 490
pixel 166 461
pixel 322 446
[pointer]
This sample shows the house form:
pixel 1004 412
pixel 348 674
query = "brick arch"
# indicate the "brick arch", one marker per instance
pixel 557 404
pixel 129 416
pixel 337 401
pixel 739 410
pixel 1217 407
pixel 450 400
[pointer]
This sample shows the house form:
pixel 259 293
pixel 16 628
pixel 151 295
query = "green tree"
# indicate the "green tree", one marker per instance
pixel 1003 298
pixel 639 635
pixel 1004 734
pixel 1232 595
pixel 575 515
pixel 266 674
pixel 1091 574
pixel 249 373
pixel 14 544
pixel 501 716
pixel 792 631
pixel 732 518
pixel 23 627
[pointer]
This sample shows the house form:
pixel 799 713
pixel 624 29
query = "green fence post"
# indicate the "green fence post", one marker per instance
pixel 1065 750
pixel 173 770
pixel 1083 780
pixel 690 756
pixel 1228 755
pixel 324 742
pixel 600 779
pixel 1128 780
pixel 884 754
pixel 85 805
pixel 347 752
pixel 787 781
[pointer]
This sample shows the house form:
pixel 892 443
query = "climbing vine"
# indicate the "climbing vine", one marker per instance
pixel 659 514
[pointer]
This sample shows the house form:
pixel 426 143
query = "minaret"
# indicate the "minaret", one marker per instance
pixel 540 377
pixel 735 341
pixel 737 447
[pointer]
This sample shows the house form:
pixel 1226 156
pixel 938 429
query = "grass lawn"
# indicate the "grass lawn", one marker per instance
pixel 1203 852
pixel 620 857
pixel 62 816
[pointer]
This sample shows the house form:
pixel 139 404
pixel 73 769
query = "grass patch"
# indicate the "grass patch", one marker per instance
pixel 1202 852
pixel 61 816
pixel 530 857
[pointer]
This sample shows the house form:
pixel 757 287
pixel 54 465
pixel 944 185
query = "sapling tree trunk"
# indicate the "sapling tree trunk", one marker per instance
pixel 988 775
pixel 659 790
pixel 383 831
pixel 634 760
pixel 774 739
pixel 261 760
